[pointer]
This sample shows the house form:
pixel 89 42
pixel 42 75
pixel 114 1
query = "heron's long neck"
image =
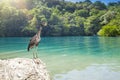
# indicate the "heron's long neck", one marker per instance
pixel 39 32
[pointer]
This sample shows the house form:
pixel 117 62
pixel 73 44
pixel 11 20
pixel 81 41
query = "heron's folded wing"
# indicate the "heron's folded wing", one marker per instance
pixel 32 42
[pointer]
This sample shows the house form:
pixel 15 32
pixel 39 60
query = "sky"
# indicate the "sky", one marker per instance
pixel 105 1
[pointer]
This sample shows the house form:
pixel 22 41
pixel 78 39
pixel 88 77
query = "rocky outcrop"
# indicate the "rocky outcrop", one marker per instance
pixel 23 69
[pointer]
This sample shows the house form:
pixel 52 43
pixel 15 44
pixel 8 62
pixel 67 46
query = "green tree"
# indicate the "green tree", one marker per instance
pixel 82 13
pixel 112 28
pixel 99 5
pixel 109 31
pixel 107 17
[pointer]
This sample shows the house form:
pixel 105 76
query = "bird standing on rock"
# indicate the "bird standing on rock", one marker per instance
pixel 34 41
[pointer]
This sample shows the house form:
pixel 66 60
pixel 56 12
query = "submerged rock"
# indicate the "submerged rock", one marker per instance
pixel 23 69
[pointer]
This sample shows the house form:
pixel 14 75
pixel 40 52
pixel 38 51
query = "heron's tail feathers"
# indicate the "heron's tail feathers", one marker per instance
pixel 28 49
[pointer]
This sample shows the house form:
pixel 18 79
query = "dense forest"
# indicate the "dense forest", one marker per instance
pixel 86 18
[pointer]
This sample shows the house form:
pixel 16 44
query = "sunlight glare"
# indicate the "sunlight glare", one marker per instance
pixel 19 3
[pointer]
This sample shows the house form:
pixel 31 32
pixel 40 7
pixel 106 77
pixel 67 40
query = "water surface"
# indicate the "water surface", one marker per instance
pixel 71 58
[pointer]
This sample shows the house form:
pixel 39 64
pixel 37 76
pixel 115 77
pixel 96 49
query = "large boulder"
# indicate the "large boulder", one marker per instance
pixel 23 69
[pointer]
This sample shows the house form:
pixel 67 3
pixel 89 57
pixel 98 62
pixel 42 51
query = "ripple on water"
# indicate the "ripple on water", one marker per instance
pixel 103 72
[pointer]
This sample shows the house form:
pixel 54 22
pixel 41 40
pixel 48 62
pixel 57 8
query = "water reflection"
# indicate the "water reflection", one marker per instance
pixel 93 72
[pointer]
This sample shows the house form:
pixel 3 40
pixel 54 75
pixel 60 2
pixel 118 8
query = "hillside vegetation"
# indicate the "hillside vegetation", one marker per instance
pixel 23 17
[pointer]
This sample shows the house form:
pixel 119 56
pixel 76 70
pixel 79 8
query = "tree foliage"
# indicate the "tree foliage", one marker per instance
pixel 23 17
pixel 112 28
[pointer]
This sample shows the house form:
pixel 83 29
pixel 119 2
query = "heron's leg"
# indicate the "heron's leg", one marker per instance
pixel 33 51
pixel 33 55
pixel 36 54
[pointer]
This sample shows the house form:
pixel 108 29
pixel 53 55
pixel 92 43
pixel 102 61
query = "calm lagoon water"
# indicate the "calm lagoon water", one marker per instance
pixel 71 58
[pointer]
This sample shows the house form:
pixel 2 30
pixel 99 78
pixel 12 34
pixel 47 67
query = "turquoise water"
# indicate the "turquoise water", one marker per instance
pixel 71 58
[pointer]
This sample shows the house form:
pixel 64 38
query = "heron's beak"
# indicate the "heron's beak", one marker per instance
pixel 44 24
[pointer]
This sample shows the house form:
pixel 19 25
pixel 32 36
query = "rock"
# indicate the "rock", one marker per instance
pixel 23 69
